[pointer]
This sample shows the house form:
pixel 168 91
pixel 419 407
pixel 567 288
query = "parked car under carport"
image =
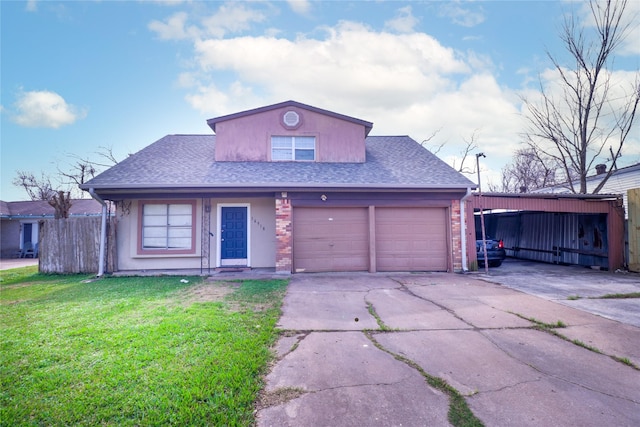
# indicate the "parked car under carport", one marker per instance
pixel 495 252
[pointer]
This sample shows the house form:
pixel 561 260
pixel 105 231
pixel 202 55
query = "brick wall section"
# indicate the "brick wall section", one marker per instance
pixel 456 240
pixel 283 236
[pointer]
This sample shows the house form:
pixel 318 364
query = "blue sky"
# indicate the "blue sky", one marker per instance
pixel 80 75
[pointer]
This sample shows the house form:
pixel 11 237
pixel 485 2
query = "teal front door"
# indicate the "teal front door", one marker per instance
pixel 233 235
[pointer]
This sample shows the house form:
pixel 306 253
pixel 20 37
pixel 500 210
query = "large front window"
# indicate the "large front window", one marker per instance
pixel 299 148
pixel 167 226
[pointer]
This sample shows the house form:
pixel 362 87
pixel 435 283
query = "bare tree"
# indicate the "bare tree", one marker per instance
pixel 575 125
pixel 60 198
pixel 83 168
pixel 529 170
pixel 470 145
pixel 81 171
pixel 36 188
pixel 436 149
pixel 41 189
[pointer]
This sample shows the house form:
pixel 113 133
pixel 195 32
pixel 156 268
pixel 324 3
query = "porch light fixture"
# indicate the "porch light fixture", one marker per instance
pixel 283 194
pixel 323 198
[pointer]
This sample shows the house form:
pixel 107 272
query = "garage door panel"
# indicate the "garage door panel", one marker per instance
pixel 330 239
pixel 411 239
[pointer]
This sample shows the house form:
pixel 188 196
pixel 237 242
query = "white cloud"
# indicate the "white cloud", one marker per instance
pixel 231 18
pixel 404 22
pixel 301 7
pixel 464 16
pixel 350 60
pixel 169 2
pixel 173 28
pixel 45 109
pixel 32 6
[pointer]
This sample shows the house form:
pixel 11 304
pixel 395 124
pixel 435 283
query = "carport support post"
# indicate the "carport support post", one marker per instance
pixel 484 236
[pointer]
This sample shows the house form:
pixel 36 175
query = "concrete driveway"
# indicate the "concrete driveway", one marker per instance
pixel 575 286
pixel 357 349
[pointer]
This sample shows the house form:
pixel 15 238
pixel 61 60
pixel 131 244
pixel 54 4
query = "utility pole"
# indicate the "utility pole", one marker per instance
pixel 484 236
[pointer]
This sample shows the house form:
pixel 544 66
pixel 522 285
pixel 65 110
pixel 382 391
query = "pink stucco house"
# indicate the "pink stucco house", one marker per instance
pixel 289 187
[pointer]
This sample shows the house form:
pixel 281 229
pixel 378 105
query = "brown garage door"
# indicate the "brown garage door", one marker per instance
pixel 411 239
pixel 330 239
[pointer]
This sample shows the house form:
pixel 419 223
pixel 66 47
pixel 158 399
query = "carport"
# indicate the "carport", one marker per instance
pixel 575 229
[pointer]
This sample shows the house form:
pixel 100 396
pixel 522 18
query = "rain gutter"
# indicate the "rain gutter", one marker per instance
pixel 463 229
pixel 103 231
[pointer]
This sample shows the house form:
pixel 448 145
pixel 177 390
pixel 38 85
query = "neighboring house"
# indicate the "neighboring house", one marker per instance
pixel 286 186
pixel 620 181
pixel 19 222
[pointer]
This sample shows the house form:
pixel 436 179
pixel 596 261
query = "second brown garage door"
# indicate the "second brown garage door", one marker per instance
pixel 411 239
pixel 330 239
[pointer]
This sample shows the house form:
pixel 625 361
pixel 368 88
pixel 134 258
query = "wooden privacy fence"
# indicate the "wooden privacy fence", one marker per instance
pixel 72 245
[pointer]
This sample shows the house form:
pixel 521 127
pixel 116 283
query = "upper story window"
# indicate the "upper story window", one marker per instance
pixel 298 148
pixel 167 227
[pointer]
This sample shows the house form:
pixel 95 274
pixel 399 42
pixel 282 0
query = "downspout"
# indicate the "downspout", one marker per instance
pixel 103 231
pixel 463 230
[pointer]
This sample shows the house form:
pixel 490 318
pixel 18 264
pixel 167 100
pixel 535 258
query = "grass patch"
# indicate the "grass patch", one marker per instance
pixel 542 325
pixel 17 275
pixel 130 351
pixel 587 346
pixel 608 296
pixel 619 296
pixel 626 361
pixel 381 324
pixel 459 415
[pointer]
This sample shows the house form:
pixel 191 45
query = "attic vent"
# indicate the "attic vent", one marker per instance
pixel 291 119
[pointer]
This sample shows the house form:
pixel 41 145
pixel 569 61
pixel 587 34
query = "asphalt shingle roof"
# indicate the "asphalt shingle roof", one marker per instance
pixel 177 161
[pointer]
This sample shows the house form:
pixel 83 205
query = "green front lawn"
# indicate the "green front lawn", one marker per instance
pixel 133 351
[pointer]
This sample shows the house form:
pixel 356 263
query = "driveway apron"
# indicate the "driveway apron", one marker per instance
pixel 357 350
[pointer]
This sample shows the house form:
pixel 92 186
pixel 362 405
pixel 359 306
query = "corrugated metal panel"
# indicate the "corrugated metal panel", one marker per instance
pixel 536 236
pixel 569 233
pixel 508 229
pixel 559 238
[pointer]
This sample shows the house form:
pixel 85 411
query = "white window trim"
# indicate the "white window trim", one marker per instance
pixel 141 251
pixel 293 147
pixel 219 230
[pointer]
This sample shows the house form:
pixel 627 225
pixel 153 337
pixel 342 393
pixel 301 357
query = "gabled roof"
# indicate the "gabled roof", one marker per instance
pixel 212 122
pixel 187 162
pixel 42 209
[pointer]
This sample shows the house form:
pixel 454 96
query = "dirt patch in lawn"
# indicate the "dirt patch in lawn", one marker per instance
pixel 208 291
pixel 278 397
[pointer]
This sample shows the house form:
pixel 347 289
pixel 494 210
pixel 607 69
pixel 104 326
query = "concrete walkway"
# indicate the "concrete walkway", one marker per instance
pixel 9 263
pixel 338 367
